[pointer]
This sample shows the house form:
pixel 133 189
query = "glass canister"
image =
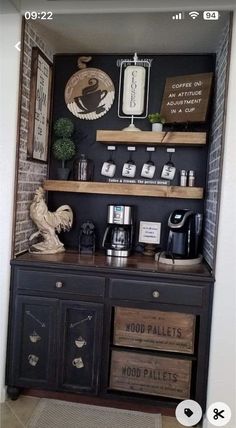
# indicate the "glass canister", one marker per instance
pixel 83 169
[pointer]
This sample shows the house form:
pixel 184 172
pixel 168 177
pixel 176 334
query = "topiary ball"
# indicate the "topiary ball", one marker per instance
pixel 63 127
pixel 63 149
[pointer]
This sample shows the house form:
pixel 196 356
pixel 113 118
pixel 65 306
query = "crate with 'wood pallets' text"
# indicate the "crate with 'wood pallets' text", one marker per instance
pixel 150 374
pixel 155 330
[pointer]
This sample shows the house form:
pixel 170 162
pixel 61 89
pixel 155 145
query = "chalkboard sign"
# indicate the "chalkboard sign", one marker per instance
pixel 186 98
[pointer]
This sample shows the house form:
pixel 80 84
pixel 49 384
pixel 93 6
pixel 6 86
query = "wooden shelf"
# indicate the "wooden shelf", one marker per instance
pixel 124 189
pixel 150 137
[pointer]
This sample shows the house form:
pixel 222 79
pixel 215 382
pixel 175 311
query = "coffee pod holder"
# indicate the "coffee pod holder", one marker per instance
pixel 148 169
pixel 134 90
pixel 129 167
pixel 169 169
pixel 109 167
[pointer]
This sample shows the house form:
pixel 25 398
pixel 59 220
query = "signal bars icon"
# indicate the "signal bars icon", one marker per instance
pixel 178 16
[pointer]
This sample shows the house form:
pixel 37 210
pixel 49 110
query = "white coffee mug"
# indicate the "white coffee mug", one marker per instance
pixel 129 170
pixel 148 170
pixel 34 337
pixel 80 342
pixel 78 363
pixel 108 169
pixel 33 359
pixel 168 172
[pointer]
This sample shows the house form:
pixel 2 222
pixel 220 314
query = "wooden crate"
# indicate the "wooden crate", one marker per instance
pixel 148 374
pixel 150 329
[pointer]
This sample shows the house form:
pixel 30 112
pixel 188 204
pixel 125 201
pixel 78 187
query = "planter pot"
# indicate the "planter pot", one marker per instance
pixel 63 173
pixel 157 127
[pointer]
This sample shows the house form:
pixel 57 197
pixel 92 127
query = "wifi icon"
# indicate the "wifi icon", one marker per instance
pixel 194 14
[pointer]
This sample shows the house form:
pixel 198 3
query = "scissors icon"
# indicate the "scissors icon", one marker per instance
pixel 218 414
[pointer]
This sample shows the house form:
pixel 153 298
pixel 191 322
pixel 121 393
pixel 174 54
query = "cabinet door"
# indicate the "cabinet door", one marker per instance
pixel 34 345
pixel 81 346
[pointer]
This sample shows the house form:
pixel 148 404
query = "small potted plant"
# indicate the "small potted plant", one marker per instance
pixel 63 147
pixel 157 121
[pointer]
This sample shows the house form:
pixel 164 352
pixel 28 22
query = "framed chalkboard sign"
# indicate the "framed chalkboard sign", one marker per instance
pixel 39 109
pixel 186 98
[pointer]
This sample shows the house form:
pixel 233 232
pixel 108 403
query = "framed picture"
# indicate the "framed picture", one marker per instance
pixel 149 232
pixel 39 108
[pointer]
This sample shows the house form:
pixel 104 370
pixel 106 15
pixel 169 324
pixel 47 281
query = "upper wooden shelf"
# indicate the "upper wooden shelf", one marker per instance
pixel 150 137
pixel 124 189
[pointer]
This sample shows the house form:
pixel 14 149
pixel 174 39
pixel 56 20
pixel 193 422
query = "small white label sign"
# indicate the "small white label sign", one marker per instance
pixel 149 232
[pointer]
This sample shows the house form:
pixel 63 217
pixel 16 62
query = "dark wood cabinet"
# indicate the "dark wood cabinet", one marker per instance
pixel 34 342
pixel 88 326
pixel 81 333
pixel 55 343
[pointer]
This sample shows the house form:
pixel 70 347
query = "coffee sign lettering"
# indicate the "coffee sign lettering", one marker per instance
pixel 186 98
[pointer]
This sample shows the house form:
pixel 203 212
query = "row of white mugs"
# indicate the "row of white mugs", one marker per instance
pixel 129 170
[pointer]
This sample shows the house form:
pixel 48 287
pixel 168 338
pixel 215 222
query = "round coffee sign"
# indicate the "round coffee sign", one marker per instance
pixel 89 93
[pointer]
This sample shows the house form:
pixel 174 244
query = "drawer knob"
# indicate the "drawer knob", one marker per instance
pixel 155 294
pixel 59 284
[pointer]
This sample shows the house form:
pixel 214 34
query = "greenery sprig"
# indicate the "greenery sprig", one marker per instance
pixel 156 118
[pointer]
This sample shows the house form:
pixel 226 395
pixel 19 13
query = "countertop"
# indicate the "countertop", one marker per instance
pixel 136 263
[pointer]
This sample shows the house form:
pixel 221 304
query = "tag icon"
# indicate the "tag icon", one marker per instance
pixel 188 412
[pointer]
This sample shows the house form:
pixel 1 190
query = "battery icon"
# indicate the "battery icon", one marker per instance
pixel 211 15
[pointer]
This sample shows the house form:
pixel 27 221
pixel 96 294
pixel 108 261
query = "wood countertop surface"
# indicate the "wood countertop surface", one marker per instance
pixel 136 263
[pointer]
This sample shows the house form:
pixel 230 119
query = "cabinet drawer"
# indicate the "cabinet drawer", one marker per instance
pixel 150 374
pixel 54 281
pixel 156 292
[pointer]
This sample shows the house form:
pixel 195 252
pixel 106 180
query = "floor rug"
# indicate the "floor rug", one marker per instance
pixel 63 414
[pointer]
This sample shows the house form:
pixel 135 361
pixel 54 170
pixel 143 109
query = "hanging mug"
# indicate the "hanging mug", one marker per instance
pixel 148 170
pixel 129 169
pixel 108 169
pixel 168 171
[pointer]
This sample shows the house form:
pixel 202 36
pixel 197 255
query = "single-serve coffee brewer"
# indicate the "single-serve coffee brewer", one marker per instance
pixel 118 235
pixel 185 229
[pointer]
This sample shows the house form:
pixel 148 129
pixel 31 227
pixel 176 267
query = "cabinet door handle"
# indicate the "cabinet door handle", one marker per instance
pixel 155 294
pixel 59 284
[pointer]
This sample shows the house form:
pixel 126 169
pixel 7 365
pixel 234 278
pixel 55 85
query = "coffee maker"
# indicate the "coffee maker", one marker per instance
pixel 118 236
pixel 184 234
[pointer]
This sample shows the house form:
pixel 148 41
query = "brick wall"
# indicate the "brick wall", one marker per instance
pixel 216 150
pixel 30 174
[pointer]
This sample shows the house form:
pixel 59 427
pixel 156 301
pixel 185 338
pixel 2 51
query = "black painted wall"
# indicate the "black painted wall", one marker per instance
pixel 150 209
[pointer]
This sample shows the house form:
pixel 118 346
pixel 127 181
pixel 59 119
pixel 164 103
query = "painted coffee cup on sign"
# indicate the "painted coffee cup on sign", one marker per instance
pixel 90 101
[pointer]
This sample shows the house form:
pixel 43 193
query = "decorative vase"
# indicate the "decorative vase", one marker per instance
pixel 63 173
pixel 157 127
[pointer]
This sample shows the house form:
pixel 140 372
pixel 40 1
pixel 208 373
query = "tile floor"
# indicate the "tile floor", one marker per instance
pixel 15 414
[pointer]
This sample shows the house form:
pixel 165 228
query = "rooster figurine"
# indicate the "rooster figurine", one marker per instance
pixel 48 224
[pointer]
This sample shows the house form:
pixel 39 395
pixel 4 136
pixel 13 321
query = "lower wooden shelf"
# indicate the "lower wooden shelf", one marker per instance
pixel 124 189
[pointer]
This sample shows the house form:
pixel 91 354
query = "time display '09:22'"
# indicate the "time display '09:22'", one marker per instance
pixel 38 15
